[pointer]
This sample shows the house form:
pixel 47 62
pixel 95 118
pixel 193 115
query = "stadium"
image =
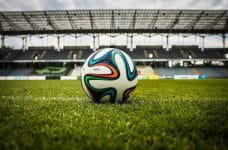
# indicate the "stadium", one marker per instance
pixel 180 101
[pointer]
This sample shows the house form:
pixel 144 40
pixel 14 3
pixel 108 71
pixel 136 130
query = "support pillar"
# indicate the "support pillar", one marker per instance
pixel 131 40
pixel 3 41
pixel 223 41
pixel 58 43
pixel 30 40
pixel 98 40
pixel 167 42
pixel 26 42
pixel 181 63
pixel 150 39
pixel 47 40
pixel 76 38
pixel 170 63
pixel 23 43
pixel 94 43
pixel 203 43
pixel 127 40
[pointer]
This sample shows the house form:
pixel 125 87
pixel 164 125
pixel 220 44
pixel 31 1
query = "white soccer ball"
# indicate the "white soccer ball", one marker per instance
pixel 109 75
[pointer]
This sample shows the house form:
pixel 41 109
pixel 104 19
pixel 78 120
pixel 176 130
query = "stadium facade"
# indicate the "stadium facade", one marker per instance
pixel 153 61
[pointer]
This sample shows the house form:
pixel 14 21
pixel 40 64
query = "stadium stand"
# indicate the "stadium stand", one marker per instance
pixel 38 48
pixel 46 58
pixel 83 51
pixel 140 52
pixel 178 54
pixel 173 71
pixel 162 54
pixel 12 55
pixel 4 52
pixel 41 52
pixel 5 71
pixel 147 52
pixel 185 51
pixel 75 72
pixel 20 72
pixel 26 55
pixel 49 54
pixel 146 72
pixel 63 54
pixel 74 52
pixel 122 47
pixel 213 54
pixel 213 72
pixel 86 53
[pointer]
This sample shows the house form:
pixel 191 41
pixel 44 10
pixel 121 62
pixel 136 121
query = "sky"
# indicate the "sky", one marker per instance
pixel 110 4
pixel 21 5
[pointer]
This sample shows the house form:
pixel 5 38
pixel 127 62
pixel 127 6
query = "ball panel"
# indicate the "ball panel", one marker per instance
pixel 109 74
pixel 127 92
pixel 119 84
pixel 104 58
pixel 130 75
pixel 114 74
pixel 101 53
pixel 97 70
pixel 85 88
pixel 129 62
pixel 96 92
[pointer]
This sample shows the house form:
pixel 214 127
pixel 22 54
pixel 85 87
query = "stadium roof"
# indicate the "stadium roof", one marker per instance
pixel 114 21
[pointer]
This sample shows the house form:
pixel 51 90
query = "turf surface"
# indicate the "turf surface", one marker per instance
pixel 162 114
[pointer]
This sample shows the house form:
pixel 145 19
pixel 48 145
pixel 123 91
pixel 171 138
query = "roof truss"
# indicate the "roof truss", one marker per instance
pixel 114 21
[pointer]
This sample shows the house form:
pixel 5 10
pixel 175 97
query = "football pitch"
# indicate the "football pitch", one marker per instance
pixel 161 114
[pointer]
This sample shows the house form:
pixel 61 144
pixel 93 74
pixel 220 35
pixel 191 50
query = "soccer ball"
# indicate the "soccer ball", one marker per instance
pixel 109 75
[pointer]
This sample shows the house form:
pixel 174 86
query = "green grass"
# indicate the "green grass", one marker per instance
pixel 162 114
